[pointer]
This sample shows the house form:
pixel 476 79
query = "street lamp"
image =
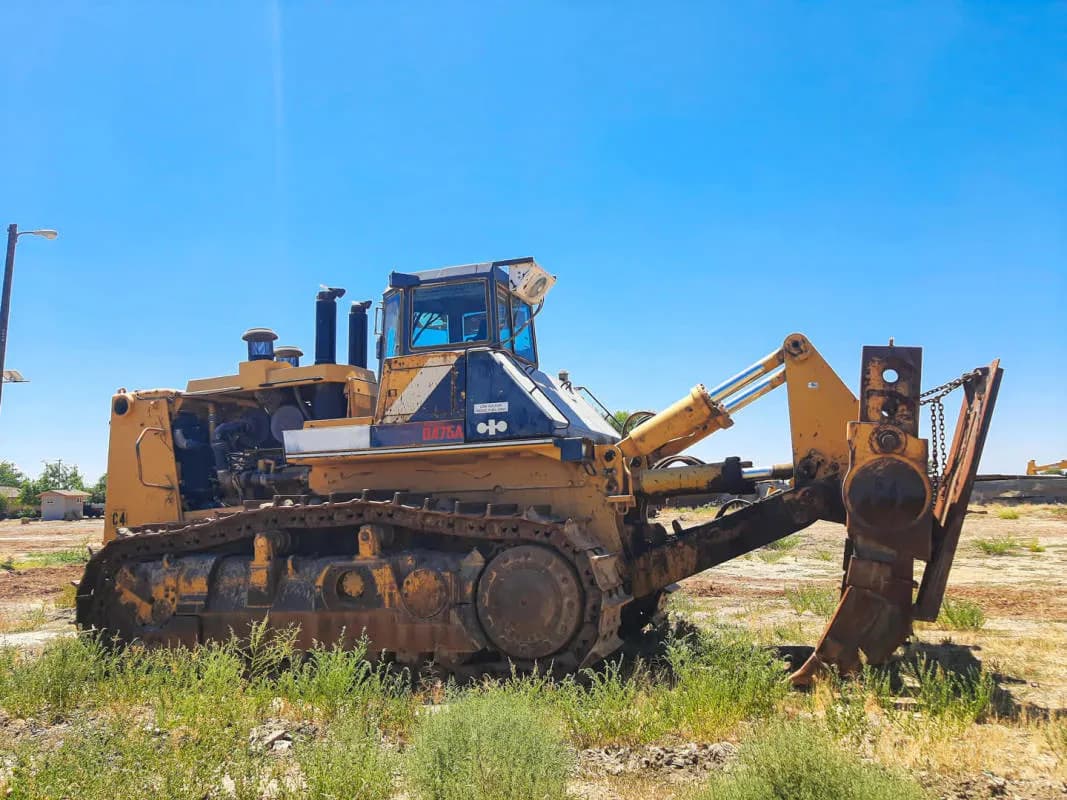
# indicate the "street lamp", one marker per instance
pixel 13 234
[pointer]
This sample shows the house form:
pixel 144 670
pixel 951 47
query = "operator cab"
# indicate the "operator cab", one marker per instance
pixel 458 308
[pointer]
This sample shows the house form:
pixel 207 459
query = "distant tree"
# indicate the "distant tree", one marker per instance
pixel 618 419
pixel 55 475
pixel 10 475
pixel 99 490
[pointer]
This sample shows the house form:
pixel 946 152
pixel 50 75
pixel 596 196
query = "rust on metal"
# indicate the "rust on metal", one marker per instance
pixel 954 491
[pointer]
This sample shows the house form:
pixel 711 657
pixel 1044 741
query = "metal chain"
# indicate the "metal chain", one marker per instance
pixel 934 398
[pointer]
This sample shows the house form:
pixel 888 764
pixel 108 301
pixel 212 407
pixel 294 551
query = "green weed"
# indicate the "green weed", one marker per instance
pixel 961 615
pixel 67 598
pixel 122 758
pixel 846 715
pixel 27 621
pixel 54 683
pixel 945 695
pixel 493 743
pixel 608 707
pixel 348 763
pixel 819 600
pixel 771 556
pixel 1008 513
pixel 1056 737
pixel 1003 546
pixel 787 543
pixel 713 680
pixel 781 633
pixel 721 677
pixel 800 761
pixel 58 558
pixel 333 680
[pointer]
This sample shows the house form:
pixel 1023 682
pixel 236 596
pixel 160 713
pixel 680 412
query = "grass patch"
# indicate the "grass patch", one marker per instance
pixel 177 723
pixel 824 555
pixel 818 600
pixel 721 678
pixel 1007 513
pixel 775 551
pixel 1007 546
pixel 348 763
pixel 961 615
pixel 495 743
pixel 845 702
pixel 1041 510
pixel 942 694
pixel 28 621
pixel 67 598
pixel 58 558
pixel 333 681
pixel 224 684
pixel 607 706
pixel 51 685
pixel 121 758
pixel 1056 738
pixel 800 761
pixel 999 546
pixel 712 681
pixel 771 556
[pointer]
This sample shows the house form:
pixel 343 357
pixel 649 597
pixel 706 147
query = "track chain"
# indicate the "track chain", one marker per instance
pixel 598 571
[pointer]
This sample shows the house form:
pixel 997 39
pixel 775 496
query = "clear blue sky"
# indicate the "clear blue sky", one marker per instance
pixel 704 179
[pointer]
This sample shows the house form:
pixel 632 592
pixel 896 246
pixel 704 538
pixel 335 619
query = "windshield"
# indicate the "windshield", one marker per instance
pixel 449 314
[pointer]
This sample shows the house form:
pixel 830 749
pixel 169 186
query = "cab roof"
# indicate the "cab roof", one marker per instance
pixel 498 270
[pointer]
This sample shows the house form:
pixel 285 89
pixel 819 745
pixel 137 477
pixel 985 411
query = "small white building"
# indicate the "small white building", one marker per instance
pixel 62 503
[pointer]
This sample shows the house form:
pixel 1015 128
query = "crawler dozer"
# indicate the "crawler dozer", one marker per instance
pixel 462 506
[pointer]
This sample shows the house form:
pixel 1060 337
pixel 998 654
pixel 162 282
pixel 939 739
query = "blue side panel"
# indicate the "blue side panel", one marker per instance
pixel 446 400
pixel 498 407
pixel 406 434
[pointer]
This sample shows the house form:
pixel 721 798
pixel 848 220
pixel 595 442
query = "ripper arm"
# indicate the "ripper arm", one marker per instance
pixel 858 461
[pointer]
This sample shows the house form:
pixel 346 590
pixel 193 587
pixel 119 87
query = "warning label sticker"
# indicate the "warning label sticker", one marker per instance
pixel 490 408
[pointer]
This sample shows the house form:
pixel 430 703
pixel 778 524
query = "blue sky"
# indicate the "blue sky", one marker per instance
pixel 704 179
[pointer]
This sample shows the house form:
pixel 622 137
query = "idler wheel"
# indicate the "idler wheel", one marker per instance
pixel 529 602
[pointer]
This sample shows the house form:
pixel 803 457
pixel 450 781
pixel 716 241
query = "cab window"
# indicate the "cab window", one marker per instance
pixel 391 325
pixel 449 314
pixel 522 319
pixel 503 310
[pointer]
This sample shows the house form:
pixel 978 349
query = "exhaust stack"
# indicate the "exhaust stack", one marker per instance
pixel 326 325
pixel 357 334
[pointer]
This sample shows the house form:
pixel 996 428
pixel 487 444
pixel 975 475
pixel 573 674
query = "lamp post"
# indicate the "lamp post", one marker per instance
pixel 13 235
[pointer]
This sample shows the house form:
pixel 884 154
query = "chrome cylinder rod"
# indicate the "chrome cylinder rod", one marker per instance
pixel 769 384
pixel 773 472
pixel 746 376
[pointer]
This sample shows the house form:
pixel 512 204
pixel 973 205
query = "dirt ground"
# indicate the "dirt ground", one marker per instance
pixel 1023 595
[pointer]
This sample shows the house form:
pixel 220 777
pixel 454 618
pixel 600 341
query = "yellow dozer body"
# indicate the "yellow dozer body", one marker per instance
pixel 463 506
